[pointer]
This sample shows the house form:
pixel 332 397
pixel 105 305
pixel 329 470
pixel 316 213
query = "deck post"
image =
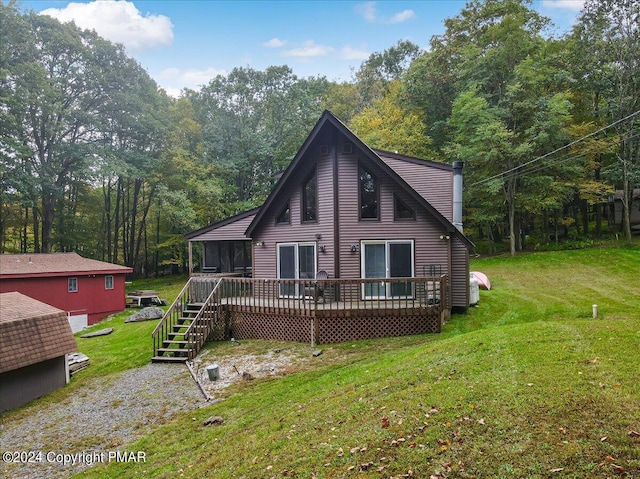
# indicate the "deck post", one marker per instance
pixel 190 257
pixel 313 333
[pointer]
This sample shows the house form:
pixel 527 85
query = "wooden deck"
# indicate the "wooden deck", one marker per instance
pixel 316 311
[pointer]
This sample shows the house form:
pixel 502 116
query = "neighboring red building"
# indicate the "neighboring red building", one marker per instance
pixel 86 289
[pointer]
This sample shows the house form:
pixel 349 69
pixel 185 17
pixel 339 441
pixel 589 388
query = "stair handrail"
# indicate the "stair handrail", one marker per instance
pixel 170 318
pixel 173 306
pixel 194 346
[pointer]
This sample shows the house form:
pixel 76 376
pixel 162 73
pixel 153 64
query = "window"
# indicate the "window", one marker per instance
pixel 108 282
pixel 72 285
pixel 284 217
pixel 310 198
pixel 401 211
pixel 369 195
pixel 387 259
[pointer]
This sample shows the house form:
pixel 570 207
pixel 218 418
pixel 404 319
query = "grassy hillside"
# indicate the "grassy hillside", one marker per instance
pixel 525 385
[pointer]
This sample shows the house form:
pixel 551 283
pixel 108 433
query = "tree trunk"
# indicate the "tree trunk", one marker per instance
pixel 598 220
pixel 626 210
pixel 584 210
pixel 48 213
pixel 36 231
pixel 116 221
pixel 512 229
pixel 133 213
pixel 156 254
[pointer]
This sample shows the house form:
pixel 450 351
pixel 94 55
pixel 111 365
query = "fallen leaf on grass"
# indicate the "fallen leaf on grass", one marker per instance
pixel 617 468
pixel 557 469
pixel 634 434
pixel 385 422
pixel 366 465
pixel 591 361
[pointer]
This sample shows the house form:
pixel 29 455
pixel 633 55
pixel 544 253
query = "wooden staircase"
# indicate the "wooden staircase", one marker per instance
pixel 186 325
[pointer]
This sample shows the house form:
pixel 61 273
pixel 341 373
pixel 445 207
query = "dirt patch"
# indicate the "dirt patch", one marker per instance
pixel 257 359
pixel 232 369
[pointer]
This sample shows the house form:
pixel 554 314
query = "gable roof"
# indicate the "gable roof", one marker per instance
pixel 54 264
pixel 329 119
pixel 31 332
pixel 232 228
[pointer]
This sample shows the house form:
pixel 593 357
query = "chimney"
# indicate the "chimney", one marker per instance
pixel 457 194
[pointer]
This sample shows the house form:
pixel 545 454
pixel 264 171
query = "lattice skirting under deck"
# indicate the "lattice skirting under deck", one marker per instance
pixel 330 328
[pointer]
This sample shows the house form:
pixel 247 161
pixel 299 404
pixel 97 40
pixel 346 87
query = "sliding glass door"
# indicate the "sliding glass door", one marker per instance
pixel 295 261
pixel 387 259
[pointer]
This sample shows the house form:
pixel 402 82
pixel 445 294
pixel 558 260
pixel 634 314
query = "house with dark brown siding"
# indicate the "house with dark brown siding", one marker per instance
pixel 351 242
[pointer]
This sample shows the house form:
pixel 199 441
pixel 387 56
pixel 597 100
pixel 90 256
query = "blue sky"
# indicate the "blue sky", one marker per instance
pixel 186 43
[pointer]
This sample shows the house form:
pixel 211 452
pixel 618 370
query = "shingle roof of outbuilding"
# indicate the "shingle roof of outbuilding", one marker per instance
pixel 31 332
pixel 52 264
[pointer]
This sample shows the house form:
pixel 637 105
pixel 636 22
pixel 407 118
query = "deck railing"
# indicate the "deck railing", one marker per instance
pixel 307 296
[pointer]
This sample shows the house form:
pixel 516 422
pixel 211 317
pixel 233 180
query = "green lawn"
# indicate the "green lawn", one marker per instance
pixel 527 384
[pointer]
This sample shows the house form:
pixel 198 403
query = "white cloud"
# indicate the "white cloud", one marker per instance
pixel 274 43
pixel 348 53
pixel 367 10
pixel 174 79
pixel 119 21
pixel 308 50
pixel 575 5
pixel 401 16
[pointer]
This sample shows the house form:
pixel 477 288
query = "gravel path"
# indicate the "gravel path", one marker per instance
pixel 101 419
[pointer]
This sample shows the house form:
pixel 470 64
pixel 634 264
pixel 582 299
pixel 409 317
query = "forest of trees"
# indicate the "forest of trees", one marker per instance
pixel 95 158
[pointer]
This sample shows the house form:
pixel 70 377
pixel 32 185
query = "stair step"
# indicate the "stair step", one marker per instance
pixel 172 350
pixel 172 336
pixel 174 341
pixel 168 359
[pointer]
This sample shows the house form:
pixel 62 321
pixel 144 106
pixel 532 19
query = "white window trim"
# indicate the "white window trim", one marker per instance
pixel 112 282
pixel 387 265
pixel 75 279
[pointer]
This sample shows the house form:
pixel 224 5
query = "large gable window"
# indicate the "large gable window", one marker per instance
pixel 310 198
pixel 369 195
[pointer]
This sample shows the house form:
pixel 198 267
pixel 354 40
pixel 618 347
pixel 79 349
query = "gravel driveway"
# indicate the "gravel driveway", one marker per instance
pixel 101 418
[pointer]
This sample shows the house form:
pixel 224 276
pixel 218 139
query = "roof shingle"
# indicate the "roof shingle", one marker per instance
pixel 31 332
pixel 42 264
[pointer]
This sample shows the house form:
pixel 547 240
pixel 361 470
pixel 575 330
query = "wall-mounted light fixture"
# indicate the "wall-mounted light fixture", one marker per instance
pixel 321 248
pixel 445 237
pixel 354 248
pixel 259 243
